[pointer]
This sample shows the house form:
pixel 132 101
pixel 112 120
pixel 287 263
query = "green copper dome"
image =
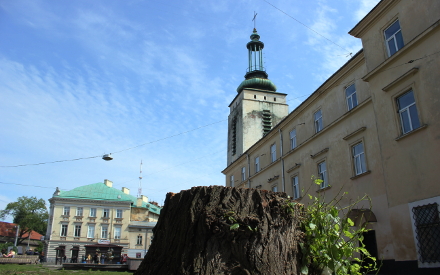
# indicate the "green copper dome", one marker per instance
pixel 257 83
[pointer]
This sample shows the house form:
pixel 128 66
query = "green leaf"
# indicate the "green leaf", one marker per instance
pixel 234 226
pixel 304 270
pixel 312 226
pixel 350 222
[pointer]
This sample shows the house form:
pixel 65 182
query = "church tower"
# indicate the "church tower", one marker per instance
pixel 257 106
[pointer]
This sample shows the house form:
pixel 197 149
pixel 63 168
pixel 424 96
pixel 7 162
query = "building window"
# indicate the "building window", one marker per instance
pixel 119 213
pixel 292 139
pixel 318 121
pixel 393 38
pixel 91 231
pixel 66 211
pixel 106 213
pixel 117 232
pixel 257 164
pixel 104 232
pixel 243 173
pixel 63 232
pixel 273 152
pixel 427 223
pixel 322 172
pixel 409 118
pixel 350 95
pixel 295 186
pixel 359 159
pixel 77 231
pixel 275 188
pixel 79 211
pixel 139 240
pixel 231 181
pixel 92 212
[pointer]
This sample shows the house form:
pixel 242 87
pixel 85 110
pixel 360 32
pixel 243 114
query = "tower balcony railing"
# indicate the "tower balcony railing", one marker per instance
pixel 255 68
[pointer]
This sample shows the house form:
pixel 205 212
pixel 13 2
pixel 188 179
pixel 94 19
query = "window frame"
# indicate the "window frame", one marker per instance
pixel 243 173
pixel 274 188
pixel 295 187
pixel 91 229
pixel 257 165
pixel 104 231
pixel 104 211
pixel 401 110
pixel 92 212
pixel 273 152
pixel 139 240
pixel 292 139
pixel 79 211
pixel 318 121
pixel 66 211
pixel 63 230
pixel 119 213
pixel 323 174
pixel 117 232
pixel 231 180
pixel 77 232
pixel 350 97
pixel 393 36
pixel 361 157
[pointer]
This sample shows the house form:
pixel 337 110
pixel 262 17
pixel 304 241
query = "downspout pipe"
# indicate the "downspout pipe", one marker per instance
pixel 249 170
pixel 282 161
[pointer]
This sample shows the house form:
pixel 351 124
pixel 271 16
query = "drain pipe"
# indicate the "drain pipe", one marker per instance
pixel 282 160
pixel 249 170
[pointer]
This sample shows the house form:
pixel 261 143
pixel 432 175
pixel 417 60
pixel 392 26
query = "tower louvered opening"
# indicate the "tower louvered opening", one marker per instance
pixel 266 121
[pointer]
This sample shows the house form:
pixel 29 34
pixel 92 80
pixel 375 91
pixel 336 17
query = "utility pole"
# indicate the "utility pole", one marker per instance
pixel 16 234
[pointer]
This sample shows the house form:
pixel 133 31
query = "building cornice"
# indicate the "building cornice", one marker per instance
pixel 374 15
pixel 57 199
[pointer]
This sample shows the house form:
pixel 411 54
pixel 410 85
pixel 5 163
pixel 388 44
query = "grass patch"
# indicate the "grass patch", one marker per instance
pixel 15 269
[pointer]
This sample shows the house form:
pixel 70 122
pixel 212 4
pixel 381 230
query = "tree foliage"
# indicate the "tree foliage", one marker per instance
pixel 28 212
pixel 330 239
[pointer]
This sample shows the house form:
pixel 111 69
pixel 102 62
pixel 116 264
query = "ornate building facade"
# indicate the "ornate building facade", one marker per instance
pixel 99 218
pixel 371 128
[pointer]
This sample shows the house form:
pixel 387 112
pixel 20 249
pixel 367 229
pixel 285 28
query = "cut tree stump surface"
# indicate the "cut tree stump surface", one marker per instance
pixel 224 230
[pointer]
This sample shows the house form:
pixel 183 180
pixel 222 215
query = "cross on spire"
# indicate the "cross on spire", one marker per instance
pixel 254 19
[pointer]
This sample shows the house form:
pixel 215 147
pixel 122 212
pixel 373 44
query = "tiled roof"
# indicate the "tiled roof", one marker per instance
pixel 100 191
pixel 8 230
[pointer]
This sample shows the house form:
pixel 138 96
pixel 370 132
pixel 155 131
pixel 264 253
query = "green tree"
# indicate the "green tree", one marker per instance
pixel 330 240
pixel 28 212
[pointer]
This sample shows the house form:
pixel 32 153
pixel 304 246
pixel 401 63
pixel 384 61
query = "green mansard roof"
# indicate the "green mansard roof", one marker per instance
pixel 100 191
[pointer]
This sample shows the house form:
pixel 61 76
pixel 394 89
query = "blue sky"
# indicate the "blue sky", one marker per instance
pixel 81 78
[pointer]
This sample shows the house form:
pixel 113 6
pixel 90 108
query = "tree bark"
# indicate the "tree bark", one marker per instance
pixel 224 230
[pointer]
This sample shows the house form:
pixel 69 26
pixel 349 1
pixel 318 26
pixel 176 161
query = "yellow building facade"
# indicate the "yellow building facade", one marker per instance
pixel 371 128
pixel 99 218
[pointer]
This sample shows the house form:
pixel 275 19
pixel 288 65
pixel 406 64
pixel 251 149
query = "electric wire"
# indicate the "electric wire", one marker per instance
pixel 143 144
pixel 348 52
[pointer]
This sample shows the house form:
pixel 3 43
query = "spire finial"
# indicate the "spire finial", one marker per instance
pixel 255 20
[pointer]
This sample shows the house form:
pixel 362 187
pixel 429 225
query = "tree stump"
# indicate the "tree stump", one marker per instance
pixel 224 230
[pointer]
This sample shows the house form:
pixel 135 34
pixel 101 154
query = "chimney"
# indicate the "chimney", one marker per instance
pixel 126 190
pixel 108 183
pixel 139 202
pixel 144 198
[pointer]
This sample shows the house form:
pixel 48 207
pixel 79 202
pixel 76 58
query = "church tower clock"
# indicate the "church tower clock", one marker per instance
pixel 257 107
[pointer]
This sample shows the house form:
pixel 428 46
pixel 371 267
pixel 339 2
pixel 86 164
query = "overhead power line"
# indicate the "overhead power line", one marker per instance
pixel 331 41
pixel 123 150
